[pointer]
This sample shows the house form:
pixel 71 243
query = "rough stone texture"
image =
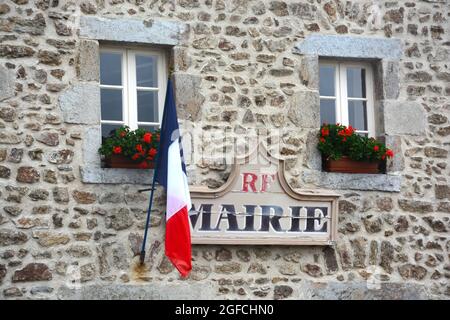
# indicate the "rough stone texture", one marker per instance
pixel 5 172
pixel 12 51
pixel 309 72
pixel 60 195
pixel 9 138
pixel 2 272
pixel 147 31
pixel 88 63
pixel 397 163
pixel 236 72
pixel 412 121
pixel 388 73
pixel 415 205
pixel 282 292
pixel 119 219
pixel 50 58
pixel 435 152
pixel 382 182
pixel 302 112
pixel 330 260
pixel 11 237
pixel 83 197
pixel 350 47
pixel 415 272
pixel 49 138
pixel 47 239
pixel 114 176
pixel 79 104
pixel 33 272
pixel 6 83
pixel 27 175
pixel 187 92
pixel 64 156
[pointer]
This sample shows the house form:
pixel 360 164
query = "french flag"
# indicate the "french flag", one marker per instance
pixel 171 173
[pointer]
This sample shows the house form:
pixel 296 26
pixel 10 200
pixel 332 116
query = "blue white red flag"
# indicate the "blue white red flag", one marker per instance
pixel 171 173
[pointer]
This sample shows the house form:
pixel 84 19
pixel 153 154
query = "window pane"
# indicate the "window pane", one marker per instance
pixel 111 101
pixel 356 82
pixel 146 72
pixel 357 114
pixel 326 79
pixel 108 129
pixel 327 111
pixel 111 68
pixel 148 128
pixel 147 106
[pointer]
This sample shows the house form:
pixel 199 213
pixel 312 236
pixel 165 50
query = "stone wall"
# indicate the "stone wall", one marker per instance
pixel 237 70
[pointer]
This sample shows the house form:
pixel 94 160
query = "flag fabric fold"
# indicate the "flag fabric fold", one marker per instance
pixel 171 174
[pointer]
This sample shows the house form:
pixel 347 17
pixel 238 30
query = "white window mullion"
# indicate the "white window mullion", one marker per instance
pixel 147 89
pixel 343 94
pixel 112 122
pixel 132 92
pixel 162 84
pixel 369 102
pixel 108 86
pixel 337 85
pixel 125 87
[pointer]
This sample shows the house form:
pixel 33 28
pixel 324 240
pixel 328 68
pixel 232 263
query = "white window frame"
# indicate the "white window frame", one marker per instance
pixel 341 97
pixel 129 88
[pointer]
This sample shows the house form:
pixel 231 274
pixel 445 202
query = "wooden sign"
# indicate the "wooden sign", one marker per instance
pixel 257 206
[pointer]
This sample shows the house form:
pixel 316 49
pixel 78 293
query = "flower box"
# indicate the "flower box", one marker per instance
pixel 344 150
pixel 131 149
pixel 119 161
pixel 347 165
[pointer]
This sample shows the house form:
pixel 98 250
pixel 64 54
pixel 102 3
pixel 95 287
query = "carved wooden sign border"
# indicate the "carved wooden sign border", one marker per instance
pixel 257 206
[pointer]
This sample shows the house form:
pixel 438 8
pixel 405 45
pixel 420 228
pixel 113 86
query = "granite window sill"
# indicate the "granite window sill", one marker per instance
pixel 351 181
pixel 94 174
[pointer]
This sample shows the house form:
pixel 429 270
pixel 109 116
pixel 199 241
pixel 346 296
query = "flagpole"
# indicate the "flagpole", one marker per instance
pixel 142 256
pixel 150 205
pixel 155 171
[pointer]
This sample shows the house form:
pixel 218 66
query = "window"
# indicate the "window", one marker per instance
pixel 346 95
pixel 132 88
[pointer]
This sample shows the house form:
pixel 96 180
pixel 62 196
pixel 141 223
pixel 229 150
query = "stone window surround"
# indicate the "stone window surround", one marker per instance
pixel 384 54
pixel 80 104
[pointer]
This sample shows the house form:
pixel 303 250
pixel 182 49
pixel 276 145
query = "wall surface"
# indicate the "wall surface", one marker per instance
pixel 236 70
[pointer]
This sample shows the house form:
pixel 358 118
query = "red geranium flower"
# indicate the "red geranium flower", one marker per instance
pixel 147 137
pixel 152 152
pixel 122 134
pixel 389 153
pixel 376 148
pixel 322 139
pixel 349 131
pixel 325 131
pixel 117 150
pixel 135 156
pixel 383 157
pixel 139 148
